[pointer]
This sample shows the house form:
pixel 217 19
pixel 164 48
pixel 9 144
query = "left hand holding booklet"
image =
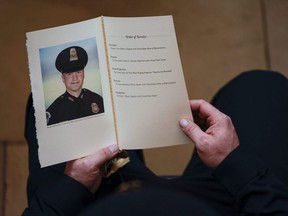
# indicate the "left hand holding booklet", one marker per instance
pixel 103 81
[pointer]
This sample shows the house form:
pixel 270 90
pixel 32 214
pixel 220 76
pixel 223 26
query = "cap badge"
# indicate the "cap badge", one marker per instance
pixel 73 54
pixel 95 108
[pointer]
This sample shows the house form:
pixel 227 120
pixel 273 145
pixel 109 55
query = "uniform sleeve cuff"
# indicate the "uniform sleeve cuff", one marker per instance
pixel 237 170
pixel 67 194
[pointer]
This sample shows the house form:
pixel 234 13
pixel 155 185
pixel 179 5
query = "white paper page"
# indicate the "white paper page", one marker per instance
pixel 148 84
pixel 72 139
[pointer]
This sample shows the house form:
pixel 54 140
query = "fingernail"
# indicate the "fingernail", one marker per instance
pixel 184 122
pixel 114 148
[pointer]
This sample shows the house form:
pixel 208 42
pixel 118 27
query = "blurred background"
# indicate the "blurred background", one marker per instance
pixel 217 41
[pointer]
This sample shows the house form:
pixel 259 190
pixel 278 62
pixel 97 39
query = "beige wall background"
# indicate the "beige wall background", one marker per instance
pixel 217 41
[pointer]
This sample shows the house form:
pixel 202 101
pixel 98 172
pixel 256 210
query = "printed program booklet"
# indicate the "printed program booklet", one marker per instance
pixel 132 63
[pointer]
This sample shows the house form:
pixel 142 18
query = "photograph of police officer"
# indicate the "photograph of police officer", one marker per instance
pixel 76 102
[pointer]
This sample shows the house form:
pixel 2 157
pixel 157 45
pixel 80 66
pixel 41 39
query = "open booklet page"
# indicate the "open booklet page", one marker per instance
pixel 75 84
pixel 62 134
pixel 147 81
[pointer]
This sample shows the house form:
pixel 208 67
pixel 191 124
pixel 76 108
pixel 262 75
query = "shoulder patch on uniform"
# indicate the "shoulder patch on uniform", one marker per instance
pixel 48 116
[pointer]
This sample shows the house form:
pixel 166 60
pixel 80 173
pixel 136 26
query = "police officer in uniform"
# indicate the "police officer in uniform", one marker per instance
pixel 76 102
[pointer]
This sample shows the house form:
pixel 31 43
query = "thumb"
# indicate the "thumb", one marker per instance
pixel 192 130
pixel 103 155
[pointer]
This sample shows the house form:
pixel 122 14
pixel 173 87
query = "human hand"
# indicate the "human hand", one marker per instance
pixel 218 140
pixel 88 170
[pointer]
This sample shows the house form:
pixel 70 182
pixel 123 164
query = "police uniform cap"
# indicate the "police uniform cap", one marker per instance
pixel 71 59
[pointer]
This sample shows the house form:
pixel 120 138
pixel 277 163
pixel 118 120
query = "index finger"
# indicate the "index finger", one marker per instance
pixel 205 109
